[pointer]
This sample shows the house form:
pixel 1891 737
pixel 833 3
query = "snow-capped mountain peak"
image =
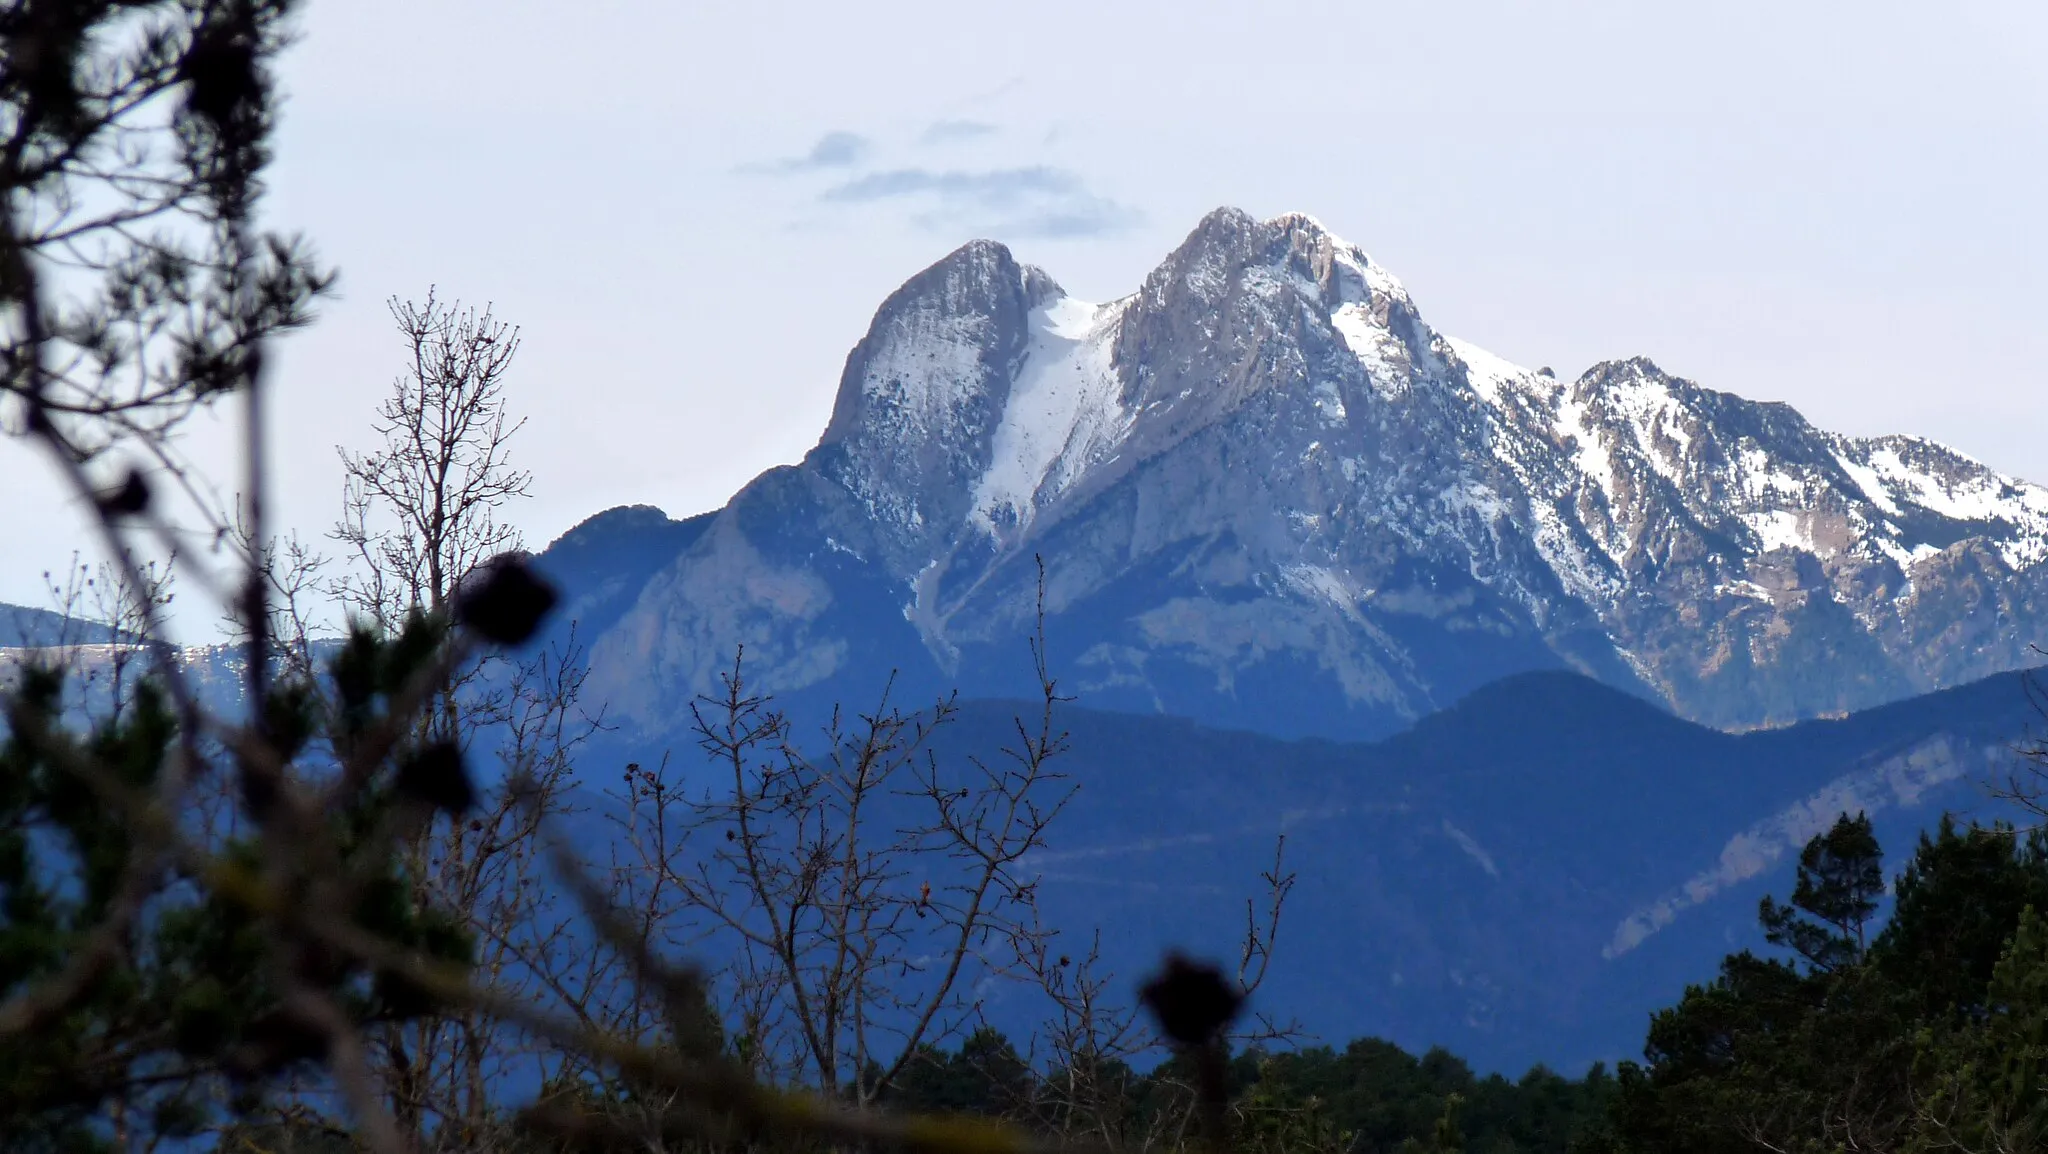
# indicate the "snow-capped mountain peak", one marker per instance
pixel 1264 468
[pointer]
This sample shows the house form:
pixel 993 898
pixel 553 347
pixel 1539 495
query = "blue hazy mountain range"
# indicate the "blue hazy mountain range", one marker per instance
pixel 23 627
pixel 1521 877
pixel 1545 678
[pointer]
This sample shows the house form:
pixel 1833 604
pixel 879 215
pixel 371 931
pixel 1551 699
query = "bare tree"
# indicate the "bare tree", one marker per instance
pixel 1089 1048
pixel 860 890
pixel 1086 1050
pixel 441 1071
pixel 422 513
pixel 422 509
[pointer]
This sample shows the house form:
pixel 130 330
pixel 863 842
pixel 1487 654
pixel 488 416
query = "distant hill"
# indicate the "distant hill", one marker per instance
pixel 23 627
pixel 1522 877
pixel 604 562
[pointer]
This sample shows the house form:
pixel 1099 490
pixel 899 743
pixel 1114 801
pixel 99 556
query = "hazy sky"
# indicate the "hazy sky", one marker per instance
pixel 694 208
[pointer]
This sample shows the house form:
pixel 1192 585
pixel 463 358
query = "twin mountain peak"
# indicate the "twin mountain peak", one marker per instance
pixel 1265 493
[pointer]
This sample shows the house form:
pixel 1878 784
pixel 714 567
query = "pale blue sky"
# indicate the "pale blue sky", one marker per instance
pixel 694 208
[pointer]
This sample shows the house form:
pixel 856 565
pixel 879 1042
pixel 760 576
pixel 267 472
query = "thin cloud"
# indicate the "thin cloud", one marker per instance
pixel 999 91
pixel 1002 185
pixel 956 131
pixel 833 150
pixel 1033 201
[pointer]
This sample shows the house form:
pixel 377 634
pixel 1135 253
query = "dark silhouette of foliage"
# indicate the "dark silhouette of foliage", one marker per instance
pixel 191 1006
pixel 1841 878
pixel 984 1076
pixel 1956 906
pixel 1370 1096
pixel 1931 1038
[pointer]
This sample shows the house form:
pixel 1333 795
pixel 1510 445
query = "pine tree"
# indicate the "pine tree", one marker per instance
pixel 1841 878
pixel 184 1011
pixel 2017 1031
pixel 1956 905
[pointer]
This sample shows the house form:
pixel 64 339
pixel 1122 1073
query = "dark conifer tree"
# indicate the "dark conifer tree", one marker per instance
pixel 1957 904
pixel 1841 878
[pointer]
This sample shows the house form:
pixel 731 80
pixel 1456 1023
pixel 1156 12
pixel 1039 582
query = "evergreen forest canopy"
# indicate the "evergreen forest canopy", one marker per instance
pixel 335 916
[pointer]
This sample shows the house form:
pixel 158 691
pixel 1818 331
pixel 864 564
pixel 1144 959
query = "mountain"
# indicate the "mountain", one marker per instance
pixel 1267 494
pixel 1535 673
pixel 98 661
pixel 605 562
pixel 1522 877
pixel 24 628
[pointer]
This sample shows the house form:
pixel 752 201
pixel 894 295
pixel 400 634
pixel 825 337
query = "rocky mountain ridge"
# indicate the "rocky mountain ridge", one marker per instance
pixel 1267 493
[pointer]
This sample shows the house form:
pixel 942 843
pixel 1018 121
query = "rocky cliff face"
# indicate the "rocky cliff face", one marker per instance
pixel 1267 493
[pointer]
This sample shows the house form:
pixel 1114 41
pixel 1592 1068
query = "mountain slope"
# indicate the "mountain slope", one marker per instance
pixel 24 628
pixel 1522 877
pixel 1267 493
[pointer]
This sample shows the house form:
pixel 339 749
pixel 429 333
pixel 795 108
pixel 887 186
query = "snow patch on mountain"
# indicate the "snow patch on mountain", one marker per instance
pixel 1065 412
pixel 1367 294
pixel 1472 848
pixel 1382 287
pixel 1324 583
pixel 1490 376
pixel 1872 484
pixel 1576 570
pixel 1762 479
pixel 1377 350
pixel 1589 448
pixel 1779 529
pixel 1963 490
pixel 1657 421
